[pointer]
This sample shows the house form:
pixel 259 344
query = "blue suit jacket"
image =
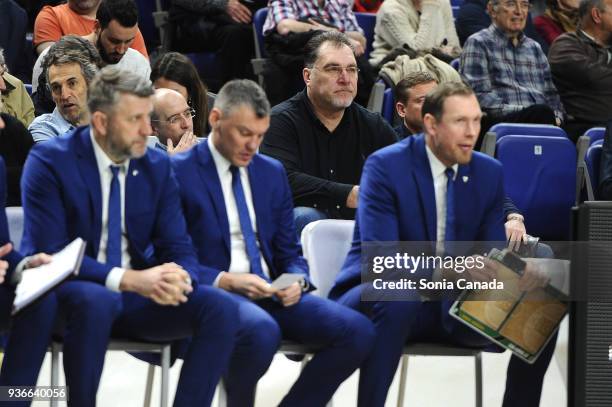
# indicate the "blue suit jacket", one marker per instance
pixel 204 208
pixel 397 203
pixel 62 200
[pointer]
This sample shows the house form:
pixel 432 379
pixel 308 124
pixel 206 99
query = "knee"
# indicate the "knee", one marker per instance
pixel 264 338
pixel 215 308
pixel 304 215
pixel 393 316
pixel 91 301
pixel 362 335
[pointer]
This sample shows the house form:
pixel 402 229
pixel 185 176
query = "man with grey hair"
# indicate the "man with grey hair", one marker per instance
pixel 139 275
pixel 322 136
pixel 240 217
pixel 581 68
pixel 69 66
pixel 14 95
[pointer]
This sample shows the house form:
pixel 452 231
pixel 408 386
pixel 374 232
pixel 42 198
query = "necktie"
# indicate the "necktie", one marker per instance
pixel 245 224
pixel 113 242
pixel 449 234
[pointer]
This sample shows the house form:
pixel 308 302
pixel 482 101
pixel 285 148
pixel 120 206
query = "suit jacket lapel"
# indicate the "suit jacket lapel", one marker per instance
pixel 86 161
pixel 424 181
pixel 210 179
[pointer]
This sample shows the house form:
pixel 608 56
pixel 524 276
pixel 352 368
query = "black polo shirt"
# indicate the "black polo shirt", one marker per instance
pixel 323 166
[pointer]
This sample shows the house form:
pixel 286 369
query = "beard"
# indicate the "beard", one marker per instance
pixel 110 59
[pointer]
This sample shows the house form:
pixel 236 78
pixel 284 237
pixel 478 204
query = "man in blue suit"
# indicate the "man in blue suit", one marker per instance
pixel 445 193
pixel 139 275
pixel 240 216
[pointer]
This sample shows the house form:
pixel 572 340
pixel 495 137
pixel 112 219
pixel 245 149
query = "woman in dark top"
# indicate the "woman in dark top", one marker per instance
pixel 560 16
pixel 15 144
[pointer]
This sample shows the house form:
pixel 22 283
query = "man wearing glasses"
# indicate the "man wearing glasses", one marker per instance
pixel 172 122
pixel 508 70
pixel 322 137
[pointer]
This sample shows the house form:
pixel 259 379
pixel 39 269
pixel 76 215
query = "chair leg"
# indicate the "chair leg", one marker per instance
pixel 165 377
pixel 401 393
pixel 222 394
pixel 478 366
pixel 55 351
pixel 149 387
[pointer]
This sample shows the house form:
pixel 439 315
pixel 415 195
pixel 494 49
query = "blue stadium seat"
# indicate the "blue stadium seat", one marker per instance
pixel 388 106
pixel 500 130
pixel 28 87
pixel 207 65
pixel 540 178
pixel 367 21
pixel 592 160
pixel 258 22
pixel 594 134
pixel 455 10
pixel 146 24
pixel 455 64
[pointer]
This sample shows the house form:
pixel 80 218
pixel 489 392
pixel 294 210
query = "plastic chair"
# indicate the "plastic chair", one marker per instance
pixel 260 52
pixel 592 161
pixel 503 129
pixel 367 22
pixel 595 133
pixel 28 88
pixel 14 215
pixel 388 106
pixel 540 178
pixel 455 63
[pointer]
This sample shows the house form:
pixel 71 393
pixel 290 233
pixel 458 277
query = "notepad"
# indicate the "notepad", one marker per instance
pixel 37 281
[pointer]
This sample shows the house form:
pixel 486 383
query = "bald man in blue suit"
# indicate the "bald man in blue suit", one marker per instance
pixel 431 188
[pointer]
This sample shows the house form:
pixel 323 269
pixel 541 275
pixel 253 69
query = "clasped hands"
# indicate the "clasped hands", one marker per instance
pixel 166 284
pixel 255 288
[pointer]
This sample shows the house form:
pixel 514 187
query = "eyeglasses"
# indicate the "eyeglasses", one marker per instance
pixel 514 4
pixel 172 120
pixel 336 70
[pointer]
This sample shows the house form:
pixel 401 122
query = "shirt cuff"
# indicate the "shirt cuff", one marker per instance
pixel 217 279
pixel 16 276
pixel 113 279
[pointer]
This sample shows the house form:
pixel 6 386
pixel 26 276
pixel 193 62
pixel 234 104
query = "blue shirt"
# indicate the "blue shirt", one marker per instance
pixel 508 78
pixel 48 126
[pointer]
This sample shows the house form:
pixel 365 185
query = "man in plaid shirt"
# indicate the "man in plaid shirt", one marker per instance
pixel 508 71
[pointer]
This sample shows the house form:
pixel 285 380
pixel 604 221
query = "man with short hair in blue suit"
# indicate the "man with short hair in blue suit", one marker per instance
pixel 433 188
pixel 138 279
pixel 240 216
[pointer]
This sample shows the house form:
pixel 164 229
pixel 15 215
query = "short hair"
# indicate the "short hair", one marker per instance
pixel 108 85
pixel 586 6
pixel 241 92
pixel 124 11
pixel 401 92
pixel 311 50
pixel 72 49
pixel 434 101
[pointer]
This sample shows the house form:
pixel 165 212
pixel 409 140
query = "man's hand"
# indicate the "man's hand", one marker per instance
pixel 247 284
pixel 318 26
pixel 515 232
pixel 358 46
pixel 187 141
pixel 38 260
pixel 167 284
pixel 532 278
pixel 351 200
pixel 290 295
pixel 238 12
pixel 4 250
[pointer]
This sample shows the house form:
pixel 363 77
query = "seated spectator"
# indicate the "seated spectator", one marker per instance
pixel 76 17
pixel 322 137
pixel 290 24
pixel 15 144
pixel 222 27
pixel 419 25
pixel 175 71
pixel 581 69
pixel 519 90
pixel 605 166
pixel 115 29
pixel 14 95
pixel 409 95
pixel 69 70
pixel 560 16
pixel 172 122
pixel 473 17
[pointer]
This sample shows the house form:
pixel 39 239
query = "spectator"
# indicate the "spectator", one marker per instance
pixel 172 122
pixel 322 137
pixel 409 95
pixel 76 17
pixel 560 16
pixel 223 27
pixel 175 71
pixel 581 69
pixel 14 95
pixel 419 25
pixel 290 24
pixel 69 68
pixel 516 90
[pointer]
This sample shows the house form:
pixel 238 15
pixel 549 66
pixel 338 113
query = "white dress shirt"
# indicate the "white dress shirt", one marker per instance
pixel 240 262
pixel 439 179
pixel 104 162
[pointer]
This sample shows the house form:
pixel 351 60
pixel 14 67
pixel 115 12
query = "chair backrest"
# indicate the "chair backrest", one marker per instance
pixel 500 130
pixel 146 23
pixel 367 22
pixel 455 63
pixel 455 10
pixel 14 215
pixel 592 160
pixel 326 244
pixel 540 178
pixel 594 134
pixel 258 22
pixel 28 88
pixel 388 106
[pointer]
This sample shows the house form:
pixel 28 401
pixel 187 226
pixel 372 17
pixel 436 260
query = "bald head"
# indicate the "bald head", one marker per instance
pixel 171 115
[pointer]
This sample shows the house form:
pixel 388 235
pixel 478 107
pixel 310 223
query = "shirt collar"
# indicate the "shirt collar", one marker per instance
pixel 103 160
pixel 437 168
pixel 502 36
pixel 59 119
pixel 222 163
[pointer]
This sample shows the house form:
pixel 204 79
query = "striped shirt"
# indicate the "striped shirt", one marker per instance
pixel 508 78
pixel 335 12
